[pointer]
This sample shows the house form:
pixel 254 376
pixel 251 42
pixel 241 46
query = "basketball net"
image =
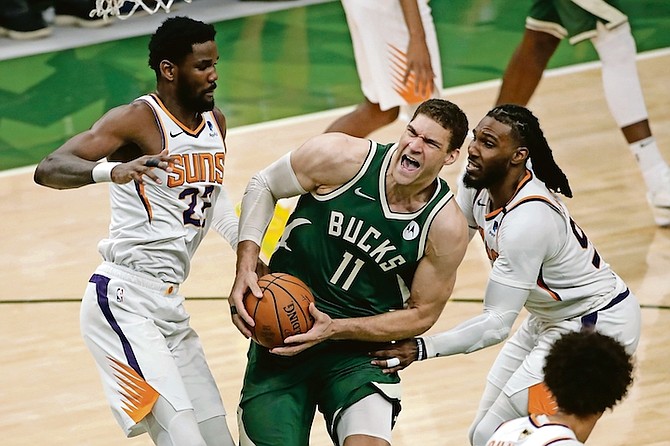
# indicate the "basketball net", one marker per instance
pixel 123 9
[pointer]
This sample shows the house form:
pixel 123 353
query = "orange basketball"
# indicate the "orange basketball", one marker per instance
pixel 282 312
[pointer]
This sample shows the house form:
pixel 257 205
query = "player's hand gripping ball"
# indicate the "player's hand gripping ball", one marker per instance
pixel 282 312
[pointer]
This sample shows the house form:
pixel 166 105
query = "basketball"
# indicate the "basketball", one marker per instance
pixel 282 312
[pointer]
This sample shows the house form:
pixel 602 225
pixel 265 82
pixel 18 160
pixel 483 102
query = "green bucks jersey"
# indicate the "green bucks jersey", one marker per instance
pixel 357 255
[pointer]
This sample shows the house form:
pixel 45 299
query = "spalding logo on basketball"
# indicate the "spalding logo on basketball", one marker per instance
pixel 282 312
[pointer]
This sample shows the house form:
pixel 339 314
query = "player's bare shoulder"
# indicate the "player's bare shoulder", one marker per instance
pixel 348 148
pixel 133 115
pixel 448 233
pixel 136 127
pixel 329 160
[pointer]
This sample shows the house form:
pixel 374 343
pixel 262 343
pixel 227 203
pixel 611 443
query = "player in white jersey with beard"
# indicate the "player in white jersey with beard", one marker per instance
pixel 587 373
pixel 166 155
pixel 541 260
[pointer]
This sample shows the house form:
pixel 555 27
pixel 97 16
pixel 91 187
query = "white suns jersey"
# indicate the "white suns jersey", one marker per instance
pixel 156 228
pixel 534 430
pixel 534 244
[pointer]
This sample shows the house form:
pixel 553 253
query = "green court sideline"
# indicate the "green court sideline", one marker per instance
pixel 274 64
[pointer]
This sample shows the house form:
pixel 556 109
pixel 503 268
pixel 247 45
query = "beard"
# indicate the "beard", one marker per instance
pixel 493 175
pixel 198 103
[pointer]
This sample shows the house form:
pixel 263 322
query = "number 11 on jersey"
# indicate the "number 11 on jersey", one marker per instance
pixel 344 265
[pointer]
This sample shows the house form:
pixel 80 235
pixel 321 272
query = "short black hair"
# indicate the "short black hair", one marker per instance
pixel 449 116
pixel 174 40
pixel 588 372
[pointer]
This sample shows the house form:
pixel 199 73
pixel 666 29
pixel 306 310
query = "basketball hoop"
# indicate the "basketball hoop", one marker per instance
pixel 122 9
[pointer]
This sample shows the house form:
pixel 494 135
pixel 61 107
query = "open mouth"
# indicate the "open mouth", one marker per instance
pixel 409 163
pixel 471 167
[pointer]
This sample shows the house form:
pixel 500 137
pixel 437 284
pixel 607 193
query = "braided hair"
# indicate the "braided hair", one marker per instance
pixel 527 132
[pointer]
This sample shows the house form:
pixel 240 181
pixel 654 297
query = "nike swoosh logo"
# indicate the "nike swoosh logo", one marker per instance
pixel 479 202
pixel 176 134
pixel 360 193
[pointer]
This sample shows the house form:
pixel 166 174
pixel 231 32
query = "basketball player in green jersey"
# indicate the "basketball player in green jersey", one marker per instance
pixel 378 237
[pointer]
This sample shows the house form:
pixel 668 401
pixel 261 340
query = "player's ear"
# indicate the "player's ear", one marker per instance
pixel 452 157
pixel 167 69
pixel 520 155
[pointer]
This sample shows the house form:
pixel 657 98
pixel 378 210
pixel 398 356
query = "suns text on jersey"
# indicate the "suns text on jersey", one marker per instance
pixel 366 238
pixel 203 167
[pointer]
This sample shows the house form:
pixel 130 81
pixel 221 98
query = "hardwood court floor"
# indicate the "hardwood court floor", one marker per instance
pixel 50 390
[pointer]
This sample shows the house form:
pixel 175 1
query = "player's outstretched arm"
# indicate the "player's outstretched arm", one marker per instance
pixel 75 163
pixel 502 305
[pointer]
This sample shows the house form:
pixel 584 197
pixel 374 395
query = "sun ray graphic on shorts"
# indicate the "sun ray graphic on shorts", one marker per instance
pixel 405 89
pixel 541 400
pixel 138 396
